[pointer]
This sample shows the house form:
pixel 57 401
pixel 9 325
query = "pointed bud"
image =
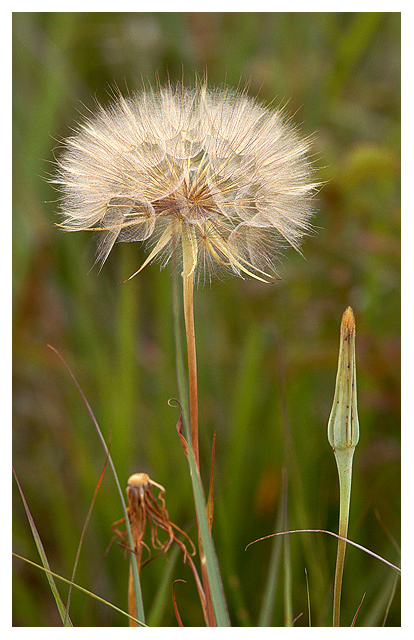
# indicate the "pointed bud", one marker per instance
pixel 343 425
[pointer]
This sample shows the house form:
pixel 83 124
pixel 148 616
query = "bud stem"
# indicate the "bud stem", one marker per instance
pixel 344 459
pixel 343 436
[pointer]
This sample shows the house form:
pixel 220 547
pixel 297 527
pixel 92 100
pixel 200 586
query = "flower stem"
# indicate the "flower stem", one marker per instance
pixel 179 355
pixel 188 300
pixel 344 459
pixel 188 288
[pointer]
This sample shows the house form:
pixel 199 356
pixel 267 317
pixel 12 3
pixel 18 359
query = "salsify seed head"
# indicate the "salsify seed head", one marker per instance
pixel 206 175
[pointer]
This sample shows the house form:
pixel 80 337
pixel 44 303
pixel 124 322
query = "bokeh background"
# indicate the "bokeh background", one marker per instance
pixel 267 355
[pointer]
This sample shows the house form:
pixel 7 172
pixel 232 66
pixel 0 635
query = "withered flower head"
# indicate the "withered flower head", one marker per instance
pixel 145 508
pixel 207 172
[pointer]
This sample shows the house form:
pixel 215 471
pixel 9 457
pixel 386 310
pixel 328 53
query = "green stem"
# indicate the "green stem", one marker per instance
pixel 344 459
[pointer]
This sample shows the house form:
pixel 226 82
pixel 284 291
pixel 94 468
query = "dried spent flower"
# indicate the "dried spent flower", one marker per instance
pixel 144 507
pixel 207 172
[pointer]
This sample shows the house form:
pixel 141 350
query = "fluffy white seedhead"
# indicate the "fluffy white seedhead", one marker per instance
pixel 206 174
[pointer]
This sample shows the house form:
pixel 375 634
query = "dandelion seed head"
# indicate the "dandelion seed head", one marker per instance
pixel 206 174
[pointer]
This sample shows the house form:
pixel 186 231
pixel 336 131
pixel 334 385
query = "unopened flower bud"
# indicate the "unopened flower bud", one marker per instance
pixel 343 425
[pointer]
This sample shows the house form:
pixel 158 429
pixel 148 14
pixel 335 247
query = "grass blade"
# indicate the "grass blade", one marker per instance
pixel 77 586
pixel 216 586
pixel 269 598
pixel 308 599
pixel 87 519
pixel 137 583
pixel 287 565
pixel 159 602
pixel 335 535
pixel 212 567
pixel 391 598
pixel 357 611
pixel 59 602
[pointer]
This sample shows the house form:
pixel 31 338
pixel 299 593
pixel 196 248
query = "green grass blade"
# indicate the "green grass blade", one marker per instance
pixel 59 602
pixel 269 596
pixel 137 584
pixel 164 592
pixel 77 586
pixel 351 47
pixel 85 525
pixel 287 565
pixel 216 586
pixel 390 599
pixel 308 599
pixel 377 613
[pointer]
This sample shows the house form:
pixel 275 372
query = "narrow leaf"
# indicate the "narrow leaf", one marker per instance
pixel 87 519
pixel 210 499
pixel 77 586
pixel 137 584
pixel 59 603
pixel 357 611
pixel 269 597
pixel 216 587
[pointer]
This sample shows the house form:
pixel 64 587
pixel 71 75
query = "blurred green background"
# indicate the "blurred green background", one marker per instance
pixel 267 355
